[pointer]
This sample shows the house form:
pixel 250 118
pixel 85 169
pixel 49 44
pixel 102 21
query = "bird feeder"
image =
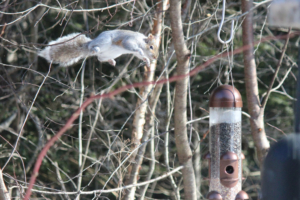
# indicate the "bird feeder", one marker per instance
pixel 225 156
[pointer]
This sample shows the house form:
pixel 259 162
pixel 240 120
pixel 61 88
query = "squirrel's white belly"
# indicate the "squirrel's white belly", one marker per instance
pixel 113 52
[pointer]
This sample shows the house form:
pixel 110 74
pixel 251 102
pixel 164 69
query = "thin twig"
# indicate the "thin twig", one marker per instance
pixel 114 189
pixel 67 10
pixel 60 180
pixel 27 115
pixel 263 104
pixel 80 131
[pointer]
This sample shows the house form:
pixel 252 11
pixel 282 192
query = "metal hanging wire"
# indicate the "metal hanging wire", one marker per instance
pixel 221 25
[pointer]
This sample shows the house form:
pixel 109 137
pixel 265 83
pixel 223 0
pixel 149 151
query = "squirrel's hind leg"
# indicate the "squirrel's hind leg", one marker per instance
pixel 112 62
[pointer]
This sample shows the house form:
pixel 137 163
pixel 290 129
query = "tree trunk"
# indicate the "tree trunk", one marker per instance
pixel 254 107
pixel 181 138
pixel 141 106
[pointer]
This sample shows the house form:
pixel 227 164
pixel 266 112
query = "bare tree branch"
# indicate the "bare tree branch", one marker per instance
pixel 115 189
pixel 257 121
pixel 180 117
pixel 141 106
pixel 264 102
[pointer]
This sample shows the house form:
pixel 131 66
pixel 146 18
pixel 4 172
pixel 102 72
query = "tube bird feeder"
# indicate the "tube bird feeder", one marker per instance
pixel 225 156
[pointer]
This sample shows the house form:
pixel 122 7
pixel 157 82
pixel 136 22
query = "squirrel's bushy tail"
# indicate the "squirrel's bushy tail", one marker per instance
pixel 67 50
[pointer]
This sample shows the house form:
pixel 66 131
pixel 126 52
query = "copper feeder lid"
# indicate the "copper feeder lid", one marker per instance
pixel 214 195
pixel 225 96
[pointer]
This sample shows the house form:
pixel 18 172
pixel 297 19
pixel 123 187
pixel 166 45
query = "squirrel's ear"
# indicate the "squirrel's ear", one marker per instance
pixel 150 36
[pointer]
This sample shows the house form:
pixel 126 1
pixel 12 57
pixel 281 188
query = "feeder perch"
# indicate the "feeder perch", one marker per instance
pixel 241 196
pixel 213 195
pixel 228 174
pixel 225 156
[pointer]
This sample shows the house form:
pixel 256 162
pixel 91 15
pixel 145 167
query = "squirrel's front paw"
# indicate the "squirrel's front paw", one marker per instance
pixel 147 61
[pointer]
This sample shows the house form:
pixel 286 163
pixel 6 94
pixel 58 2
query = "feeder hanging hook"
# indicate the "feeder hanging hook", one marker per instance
pixel 221 25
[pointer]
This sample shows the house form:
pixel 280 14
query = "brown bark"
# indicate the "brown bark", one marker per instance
pixel 137 132
pixel 183 148
pixel 254 107
pixel 141 106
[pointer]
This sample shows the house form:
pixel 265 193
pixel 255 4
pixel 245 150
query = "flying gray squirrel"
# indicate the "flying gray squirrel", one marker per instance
pixel 107 46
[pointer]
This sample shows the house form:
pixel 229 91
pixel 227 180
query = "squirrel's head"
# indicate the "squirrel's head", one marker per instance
pixel 152 48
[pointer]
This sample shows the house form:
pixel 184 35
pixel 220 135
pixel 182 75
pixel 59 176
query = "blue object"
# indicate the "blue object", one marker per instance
pixel 281 170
